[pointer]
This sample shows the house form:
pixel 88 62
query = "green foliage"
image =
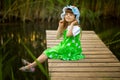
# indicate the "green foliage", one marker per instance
pixel 111 38
pixel 0 67
pixel 34 58
pixel 2 58
pixel 12 74
pixel 115 39
pixel 11 51
pixel 51 9
pixel 6 62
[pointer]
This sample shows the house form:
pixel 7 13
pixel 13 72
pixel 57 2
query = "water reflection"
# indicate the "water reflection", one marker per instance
pixel 33 36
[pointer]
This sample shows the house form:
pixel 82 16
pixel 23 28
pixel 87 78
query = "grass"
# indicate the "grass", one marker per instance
pixel 111 38
pixel 0 67
pixel 2 58
pixel 5 63
pixel 9 62
pixel 34 58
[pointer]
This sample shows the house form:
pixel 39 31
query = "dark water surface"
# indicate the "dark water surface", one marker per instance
pixel 11 36
pixel 34 37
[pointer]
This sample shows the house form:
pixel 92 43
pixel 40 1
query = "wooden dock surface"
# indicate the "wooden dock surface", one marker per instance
pixel 99 64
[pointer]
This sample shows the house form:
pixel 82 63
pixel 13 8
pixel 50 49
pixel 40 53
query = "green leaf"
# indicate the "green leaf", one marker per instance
pixel 37 62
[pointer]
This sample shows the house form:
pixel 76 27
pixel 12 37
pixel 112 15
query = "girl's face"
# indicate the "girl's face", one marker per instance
pixel 69 17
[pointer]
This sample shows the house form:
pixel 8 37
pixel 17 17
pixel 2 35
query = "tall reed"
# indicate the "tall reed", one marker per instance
pixel 39 64
pixel 51 9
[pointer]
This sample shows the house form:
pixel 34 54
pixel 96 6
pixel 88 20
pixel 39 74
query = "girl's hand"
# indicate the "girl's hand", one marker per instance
pixel 60 29
pixel 61 23
pixel 74 22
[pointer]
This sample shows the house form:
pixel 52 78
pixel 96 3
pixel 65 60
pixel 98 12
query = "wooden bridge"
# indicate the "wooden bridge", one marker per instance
pixel 99 64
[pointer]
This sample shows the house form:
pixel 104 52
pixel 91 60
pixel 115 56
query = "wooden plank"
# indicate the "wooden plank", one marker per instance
pixel 53 37
pixel 99 56
pixel 57 41
pixel 86 35
pixel 86 60
pixel 93 36
pixel 83 36
pixel 89 49
pixel 86 74
pixel 97 52
pixel 83 78
pixel 62 64
pixel 83 45
pixel 51 44
pixel 85 69
pixel 83 32
pixel 92 49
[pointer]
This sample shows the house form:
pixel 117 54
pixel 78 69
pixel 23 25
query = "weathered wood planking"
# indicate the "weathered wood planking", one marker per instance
pixel 99 64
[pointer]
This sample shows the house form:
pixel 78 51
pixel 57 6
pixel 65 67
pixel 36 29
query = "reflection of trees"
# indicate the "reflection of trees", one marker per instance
pixel 12 50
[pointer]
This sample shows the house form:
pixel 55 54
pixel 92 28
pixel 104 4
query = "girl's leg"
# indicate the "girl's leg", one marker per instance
pixel 42 58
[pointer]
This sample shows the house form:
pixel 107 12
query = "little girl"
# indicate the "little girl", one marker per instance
pixel 70 47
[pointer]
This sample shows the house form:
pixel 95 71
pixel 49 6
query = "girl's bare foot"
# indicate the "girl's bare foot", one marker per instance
pixel 27 69
pixel 25 62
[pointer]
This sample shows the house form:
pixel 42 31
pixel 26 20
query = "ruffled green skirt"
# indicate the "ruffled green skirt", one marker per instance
pixel 68 49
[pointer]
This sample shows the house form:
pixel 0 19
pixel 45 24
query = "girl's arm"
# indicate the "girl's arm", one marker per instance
pixel 70 33
pixel 80 33
pixel 60 29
